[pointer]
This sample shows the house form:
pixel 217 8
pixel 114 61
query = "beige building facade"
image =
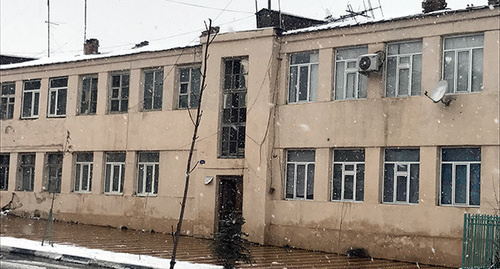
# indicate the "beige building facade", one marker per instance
pixel 313 153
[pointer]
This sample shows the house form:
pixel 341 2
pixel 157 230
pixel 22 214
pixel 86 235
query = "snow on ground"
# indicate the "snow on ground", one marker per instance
pixel 96 254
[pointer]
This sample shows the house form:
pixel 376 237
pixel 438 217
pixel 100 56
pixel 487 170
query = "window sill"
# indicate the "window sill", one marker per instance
pixel 93 114
pixel 55 117
pixel 398 203
pixel 29 118
pixel 82 192
pixel 146 195
pixel 298 199
pixel 460 205
pixel 113 194
pixel 347 201
pixel 117 112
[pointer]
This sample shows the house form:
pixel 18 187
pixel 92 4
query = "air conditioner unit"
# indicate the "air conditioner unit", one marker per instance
pixel 369 63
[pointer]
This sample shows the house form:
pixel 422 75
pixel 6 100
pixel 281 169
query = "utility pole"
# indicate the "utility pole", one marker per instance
pixel 211 33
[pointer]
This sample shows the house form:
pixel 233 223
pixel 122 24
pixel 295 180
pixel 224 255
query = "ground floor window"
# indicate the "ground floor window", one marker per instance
pixel 115 173
pixel 461 176
pixel 300 174
pixel 26 172
pixel 53 172
pixel 348 175
pixel 401 173
pixel 148 170
pixel 4 171
pixel 83 172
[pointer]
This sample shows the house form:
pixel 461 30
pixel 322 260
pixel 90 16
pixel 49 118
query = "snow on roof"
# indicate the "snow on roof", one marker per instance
pixel 81 57
pixel 363 20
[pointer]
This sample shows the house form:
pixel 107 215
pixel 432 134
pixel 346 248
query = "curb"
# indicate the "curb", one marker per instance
pixel 71 258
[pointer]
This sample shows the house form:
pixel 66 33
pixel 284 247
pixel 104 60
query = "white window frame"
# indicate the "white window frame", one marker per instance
pixel 312 73
pixel 155 177
pixel 155 73
pixel 5 167
pixel 190 94
pixel 402 66
pixel 10 99
pixel 30 169
pixel 296 164
pixel 349 70
pixel 56 101
pixel 109 177
pixel 120 98
pixel 452 87
pixel 453 180
pixel 397 173
pixel 79 177
pixel 345 173
pixel 34 106
pixel 88 94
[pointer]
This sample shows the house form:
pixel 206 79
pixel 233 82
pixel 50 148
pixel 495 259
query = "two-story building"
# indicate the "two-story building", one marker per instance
pixel 314 153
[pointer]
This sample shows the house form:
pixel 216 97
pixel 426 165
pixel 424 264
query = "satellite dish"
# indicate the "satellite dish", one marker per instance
pixel 437 94
pixel 208 179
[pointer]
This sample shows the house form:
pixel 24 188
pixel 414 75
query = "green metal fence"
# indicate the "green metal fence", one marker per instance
pixel 481 242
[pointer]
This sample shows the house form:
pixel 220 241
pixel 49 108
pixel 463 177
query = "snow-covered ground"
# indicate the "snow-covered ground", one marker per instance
pixel 97 255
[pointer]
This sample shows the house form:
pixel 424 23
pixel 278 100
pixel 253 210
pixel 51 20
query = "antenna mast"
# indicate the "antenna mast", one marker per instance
pixel 85 23
pixel 48 28
pixel 351 14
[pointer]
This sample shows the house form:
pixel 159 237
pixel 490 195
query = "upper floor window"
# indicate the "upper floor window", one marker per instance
pixel 300 174
pixel 349 84
pixel 83 172
pixel 118 96
pixel 463 63
pixel 189 87
pixel 88 95
pixel 303 84
pixel 234 114
pixel 58 92
pixel 26 174
pixel 31 99
pixel 7 98
pixel 153 89
pixel 148 171
pixel 53 172
pixel 461 176
pixel 404 69
pixel 348 175
pixel 401 176
pixel 4 171
pixel 115 173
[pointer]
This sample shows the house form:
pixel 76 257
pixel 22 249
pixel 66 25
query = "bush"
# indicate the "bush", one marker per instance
pixel 229 246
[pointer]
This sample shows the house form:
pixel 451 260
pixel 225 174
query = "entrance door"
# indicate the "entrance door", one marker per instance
pixel 230 197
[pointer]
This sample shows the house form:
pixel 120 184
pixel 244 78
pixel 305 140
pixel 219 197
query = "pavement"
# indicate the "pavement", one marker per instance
pixel 123 245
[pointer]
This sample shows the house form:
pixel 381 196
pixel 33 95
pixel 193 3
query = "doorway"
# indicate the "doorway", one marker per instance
pixel 230 197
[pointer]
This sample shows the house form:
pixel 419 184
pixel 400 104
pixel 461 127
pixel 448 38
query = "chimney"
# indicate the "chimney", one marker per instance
pixel 91 46
pixel 433 5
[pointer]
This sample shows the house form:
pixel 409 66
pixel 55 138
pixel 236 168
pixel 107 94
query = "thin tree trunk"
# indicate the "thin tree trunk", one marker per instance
pixel 193 142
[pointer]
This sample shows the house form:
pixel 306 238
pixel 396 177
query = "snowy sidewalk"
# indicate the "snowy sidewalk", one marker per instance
pixel 88 256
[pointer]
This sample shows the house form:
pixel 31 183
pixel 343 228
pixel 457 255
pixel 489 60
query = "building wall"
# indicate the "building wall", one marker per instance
pixel 425 232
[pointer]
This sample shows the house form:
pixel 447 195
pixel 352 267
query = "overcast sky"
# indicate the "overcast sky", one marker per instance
pixel 119 24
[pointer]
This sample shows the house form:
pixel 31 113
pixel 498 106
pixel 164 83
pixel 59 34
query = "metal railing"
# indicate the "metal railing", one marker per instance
pixel 481 241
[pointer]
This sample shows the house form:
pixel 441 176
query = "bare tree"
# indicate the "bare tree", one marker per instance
pixel 210 34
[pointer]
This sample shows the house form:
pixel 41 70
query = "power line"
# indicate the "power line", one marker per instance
pixel 207 7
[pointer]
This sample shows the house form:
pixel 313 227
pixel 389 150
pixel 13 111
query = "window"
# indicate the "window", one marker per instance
pixel 53 172
pixel 461 176
pixel 189 87
pixel 115 173
pixel 31 99
pixel 83 172
pixel 147 173
pixel 463 63
pixel 26 172
pixel 348 175
pixel 4 171
pixel 234 112
pixel 404 69
pixel 7 98
pixel 118 99
pixel 349 84
pixel 303 85
pixel 153 89
pixel 401 176
pixel 300 174
pixel 88 95
pixel 58 91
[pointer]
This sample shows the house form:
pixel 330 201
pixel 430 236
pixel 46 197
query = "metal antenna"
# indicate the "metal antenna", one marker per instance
pixel 48 28
pixel 85 23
